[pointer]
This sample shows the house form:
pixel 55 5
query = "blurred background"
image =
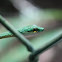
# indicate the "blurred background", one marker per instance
pixel 20 13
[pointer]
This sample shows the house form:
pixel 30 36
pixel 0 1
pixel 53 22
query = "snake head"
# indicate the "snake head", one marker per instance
pixel 33 28
pixel 36 28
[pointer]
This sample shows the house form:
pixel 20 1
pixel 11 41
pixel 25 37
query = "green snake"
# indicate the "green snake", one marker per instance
pixel 24 30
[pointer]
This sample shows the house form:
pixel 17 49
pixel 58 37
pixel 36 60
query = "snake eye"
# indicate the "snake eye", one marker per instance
pixel 28 31
pixel 35 30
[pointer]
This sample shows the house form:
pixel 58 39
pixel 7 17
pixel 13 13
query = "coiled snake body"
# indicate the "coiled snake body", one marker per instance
pixel 26 29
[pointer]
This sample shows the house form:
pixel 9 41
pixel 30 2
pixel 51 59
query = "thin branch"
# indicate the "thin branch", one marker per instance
pixel 25 41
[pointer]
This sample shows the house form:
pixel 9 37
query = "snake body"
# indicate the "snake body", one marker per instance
pixel 24 30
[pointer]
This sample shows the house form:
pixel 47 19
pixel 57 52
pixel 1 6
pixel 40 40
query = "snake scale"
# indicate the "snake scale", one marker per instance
pixel 26 29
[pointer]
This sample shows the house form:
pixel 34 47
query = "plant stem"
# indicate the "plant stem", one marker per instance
pixel 25 41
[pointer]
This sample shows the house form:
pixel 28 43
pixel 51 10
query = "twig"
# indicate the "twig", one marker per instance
pixel 25 41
